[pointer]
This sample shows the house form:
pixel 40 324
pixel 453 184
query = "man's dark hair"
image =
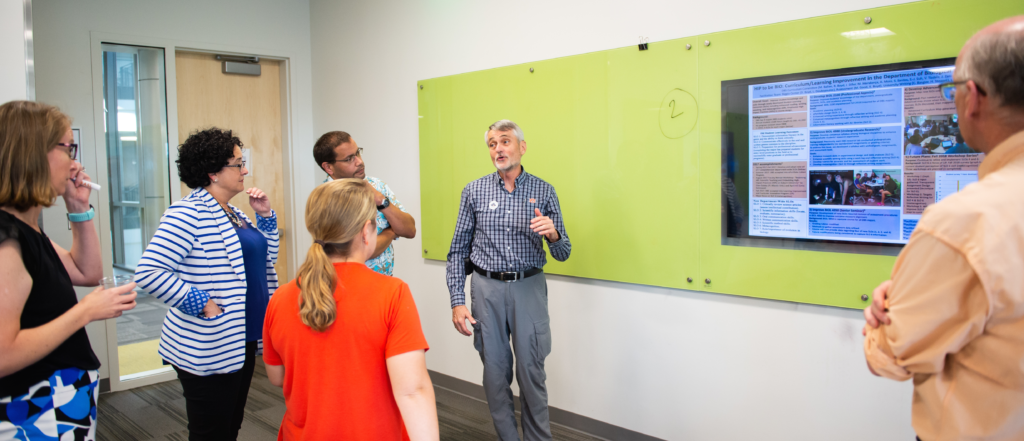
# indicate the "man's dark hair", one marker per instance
pixel 205 152
pixel 323 150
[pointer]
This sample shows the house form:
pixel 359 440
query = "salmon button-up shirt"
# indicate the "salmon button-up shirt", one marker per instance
pixel 957 309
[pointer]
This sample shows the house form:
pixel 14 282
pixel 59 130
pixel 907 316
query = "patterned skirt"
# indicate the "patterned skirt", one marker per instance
pixel 62 408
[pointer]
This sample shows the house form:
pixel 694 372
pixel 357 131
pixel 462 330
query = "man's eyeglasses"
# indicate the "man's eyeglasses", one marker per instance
pixel 948 90
pixel 349 158
pixel 72 149
pixel 239 166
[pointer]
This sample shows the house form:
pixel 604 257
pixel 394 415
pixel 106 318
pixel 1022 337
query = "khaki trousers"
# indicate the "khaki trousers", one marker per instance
pixel 517 312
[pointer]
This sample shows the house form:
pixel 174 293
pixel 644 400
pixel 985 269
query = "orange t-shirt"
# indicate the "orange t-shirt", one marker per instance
pixel 336 383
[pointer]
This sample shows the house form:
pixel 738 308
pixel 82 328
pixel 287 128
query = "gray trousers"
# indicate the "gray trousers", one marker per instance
pixel 520 310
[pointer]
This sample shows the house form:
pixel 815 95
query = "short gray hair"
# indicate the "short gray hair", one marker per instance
pixel 504 126
pixel 996 62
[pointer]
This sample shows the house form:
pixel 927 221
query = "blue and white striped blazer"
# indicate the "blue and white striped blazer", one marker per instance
pixel 193 257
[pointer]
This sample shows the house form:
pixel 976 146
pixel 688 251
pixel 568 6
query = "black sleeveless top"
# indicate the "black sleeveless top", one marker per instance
pixel 51 296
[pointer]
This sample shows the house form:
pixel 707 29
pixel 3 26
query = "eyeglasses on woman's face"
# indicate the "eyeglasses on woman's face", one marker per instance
pixel 72 149
pixel 239 166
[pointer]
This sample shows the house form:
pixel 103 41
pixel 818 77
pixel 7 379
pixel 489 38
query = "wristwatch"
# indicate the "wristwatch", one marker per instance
pixel 386 203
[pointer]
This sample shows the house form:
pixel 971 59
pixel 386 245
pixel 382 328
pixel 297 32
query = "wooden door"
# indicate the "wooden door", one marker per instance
pixel 251 107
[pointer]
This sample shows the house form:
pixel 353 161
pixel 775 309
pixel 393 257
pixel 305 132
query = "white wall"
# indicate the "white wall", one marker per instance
pixel 12 51
pixel 64 68
pixel 669 363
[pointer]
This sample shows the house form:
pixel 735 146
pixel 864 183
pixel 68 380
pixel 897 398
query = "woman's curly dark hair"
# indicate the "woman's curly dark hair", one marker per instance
pixel 205 152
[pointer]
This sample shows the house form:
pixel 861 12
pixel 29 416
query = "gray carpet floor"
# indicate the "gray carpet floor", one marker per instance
pixel 157 412
pixel 142 323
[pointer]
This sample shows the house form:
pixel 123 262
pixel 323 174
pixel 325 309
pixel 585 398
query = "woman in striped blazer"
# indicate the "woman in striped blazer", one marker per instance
pixel 216 270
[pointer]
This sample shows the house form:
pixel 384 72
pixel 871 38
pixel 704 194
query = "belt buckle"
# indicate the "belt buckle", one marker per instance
pixel 514 276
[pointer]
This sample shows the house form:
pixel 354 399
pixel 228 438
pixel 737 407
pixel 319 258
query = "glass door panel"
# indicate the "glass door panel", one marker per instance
pixel 135 117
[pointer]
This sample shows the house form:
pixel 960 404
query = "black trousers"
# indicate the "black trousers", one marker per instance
pixel 215 404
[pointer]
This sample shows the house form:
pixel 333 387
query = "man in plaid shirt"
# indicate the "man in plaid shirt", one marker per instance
pixel 504 220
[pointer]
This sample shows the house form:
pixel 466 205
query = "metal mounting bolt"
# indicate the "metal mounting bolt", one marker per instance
pixel 707 281
pixel 531 70
pixel 689 280
pixel 867 20
pixel 707 42
pixel 688 46
pixel 864 297
pixel 421 87
pixel 424 251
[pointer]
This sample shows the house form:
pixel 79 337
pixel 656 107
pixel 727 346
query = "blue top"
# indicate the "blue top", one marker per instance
pixel 254 254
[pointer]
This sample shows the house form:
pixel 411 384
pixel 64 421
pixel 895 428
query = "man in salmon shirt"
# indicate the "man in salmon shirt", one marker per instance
pixel 952 317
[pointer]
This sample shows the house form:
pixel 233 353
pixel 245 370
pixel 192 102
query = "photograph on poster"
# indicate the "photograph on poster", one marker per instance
pixel 829 187
pixel 933 134
pixel 875 187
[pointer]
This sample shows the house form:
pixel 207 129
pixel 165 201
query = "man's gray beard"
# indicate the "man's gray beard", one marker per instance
pixel 506 169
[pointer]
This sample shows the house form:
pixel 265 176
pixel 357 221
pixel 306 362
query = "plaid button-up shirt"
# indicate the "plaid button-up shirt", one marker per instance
pixel 493 229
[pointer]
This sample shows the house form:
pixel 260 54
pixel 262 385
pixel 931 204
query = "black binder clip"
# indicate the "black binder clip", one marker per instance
pixel 643 43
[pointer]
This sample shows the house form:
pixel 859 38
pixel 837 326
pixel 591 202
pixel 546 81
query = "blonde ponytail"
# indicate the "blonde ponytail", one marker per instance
pixel 316 284
pixel 335 214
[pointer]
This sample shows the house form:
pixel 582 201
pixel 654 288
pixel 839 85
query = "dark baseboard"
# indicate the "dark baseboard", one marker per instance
pixel 558 416
pixel 104 385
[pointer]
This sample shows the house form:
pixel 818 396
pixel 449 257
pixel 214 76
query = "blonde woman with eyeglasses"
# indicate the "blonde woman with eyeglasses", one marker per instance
pixel 344 341
pixel 49 377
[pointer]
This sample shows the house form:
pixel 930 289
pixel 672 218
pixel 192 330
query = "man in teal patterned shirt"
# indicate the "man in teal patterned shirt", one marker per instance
pixel 339 155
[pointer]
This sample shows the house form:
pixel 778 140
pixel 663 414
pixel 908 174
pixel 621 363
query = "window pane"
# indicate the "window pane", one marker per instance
pixel 134 95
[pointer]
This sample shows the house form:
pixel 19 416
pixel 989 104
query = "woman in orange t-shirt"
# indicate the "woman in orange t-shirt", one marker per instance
pixel 344 341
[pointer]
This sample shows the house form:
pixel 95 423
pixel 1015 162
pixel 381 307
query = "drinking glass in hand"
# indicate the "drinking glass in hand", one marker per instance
pixel 115 281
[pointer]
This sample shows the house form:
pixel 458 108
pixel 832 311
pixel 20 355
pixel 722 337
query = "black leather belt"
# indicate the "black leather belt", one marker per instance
pixel 509 276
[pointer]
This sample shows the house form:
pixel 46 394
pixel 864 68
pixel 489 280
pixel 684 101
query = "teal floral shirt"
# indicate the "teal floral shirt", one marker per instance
pixel 385 262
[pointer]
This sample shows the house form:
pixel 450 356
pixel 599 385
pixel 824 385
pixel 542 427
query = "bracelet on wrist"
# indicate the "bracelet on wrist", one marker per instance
pixel 81 217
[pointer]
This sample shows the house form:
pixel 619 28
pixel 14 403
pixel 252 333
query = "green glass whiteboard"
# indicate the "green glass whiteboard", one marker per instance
pixel 594 130
pixel 631 141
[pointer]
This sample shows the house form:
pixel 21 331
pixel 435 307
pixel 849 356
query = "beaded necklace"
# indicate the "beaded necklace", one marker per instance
pixel 232 217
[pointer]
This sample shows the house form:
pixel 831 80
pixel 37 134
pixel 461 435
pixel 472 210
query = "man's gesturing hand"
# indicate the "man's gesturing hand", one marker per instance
pixel 875 314
pixel 459 316
pixel 544 226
